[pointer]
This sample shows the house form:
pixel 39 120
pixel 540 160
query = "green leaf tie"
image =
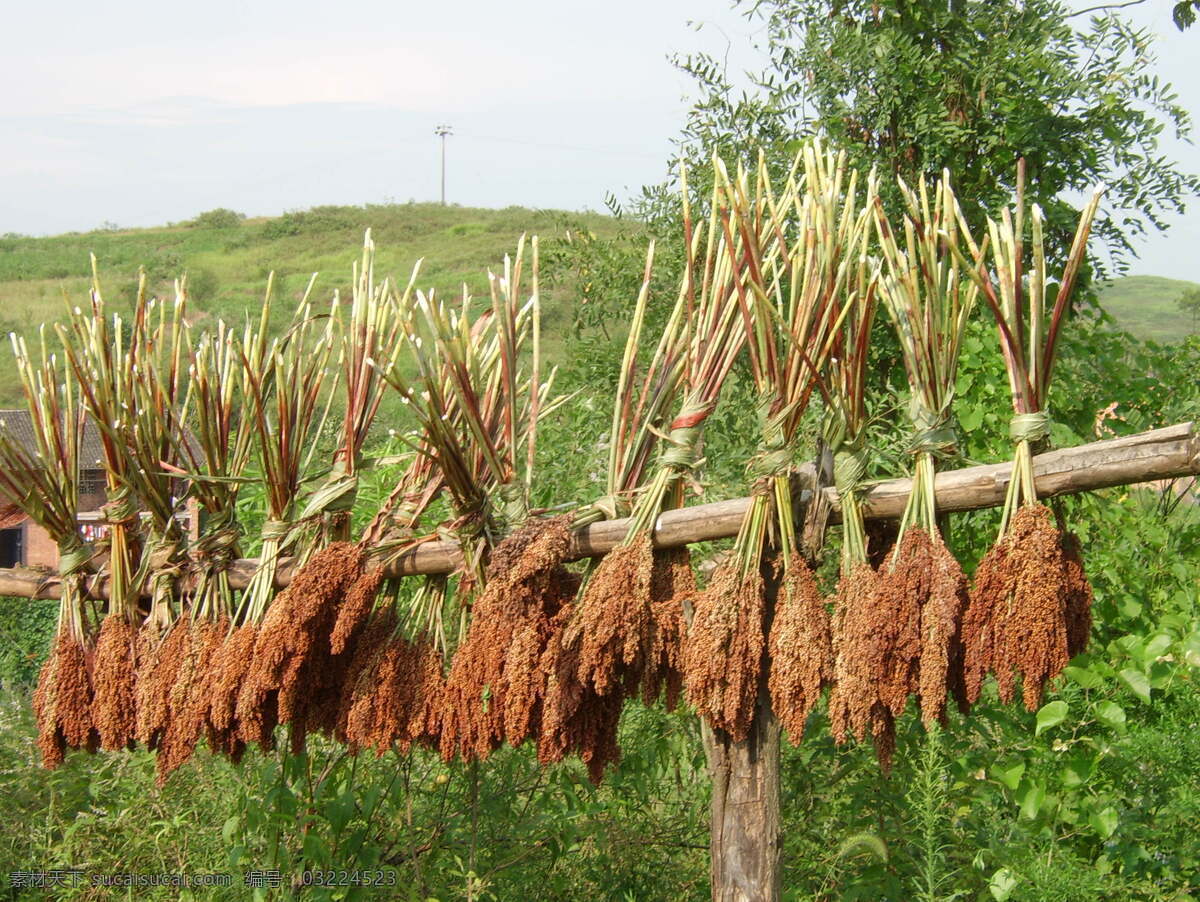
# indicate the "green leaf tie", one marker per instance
pixel 1029 427
pixel 940 441
pixel 73 557
pixel 935 432
pixel 849 468
pixel 513 507
pixel 681 451
pixel 275 530
pixel 775 458
pixel 336 495
pixel 163 564
pixel 216 549
pixel 614 507
pixel 120 509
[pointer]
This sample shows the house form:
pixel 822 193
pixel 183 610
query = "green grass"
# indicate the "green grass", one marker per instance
pixel 228 267
pixel 1146 306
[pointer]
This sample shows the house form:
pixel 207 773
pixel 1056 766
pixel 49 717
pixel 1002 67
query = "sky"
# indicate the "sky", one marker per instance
pixel 140 113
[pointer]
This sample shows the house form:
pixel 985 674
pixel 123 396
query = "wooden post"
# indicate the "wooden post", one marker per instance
pixel 744 845
pixel 744 813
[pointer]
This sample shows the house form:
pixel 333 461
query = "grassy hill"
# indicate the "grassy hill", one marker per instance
pixel 228 260
pixel 1145 306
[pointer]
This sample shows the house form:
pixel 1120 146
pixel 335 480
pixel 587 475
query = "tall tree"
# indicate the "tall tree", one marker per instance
pixel 915 86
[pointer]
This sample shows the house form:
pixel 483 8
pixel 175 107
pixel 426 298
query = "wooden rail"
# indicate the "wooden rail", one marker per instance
pixel 1167 453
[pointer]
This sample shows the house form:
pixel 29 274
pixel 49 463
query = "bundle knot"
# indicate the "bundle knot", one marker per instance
pixel 337 493
pixel 775 457
pixel 935 431
pixel 849 468
pixel 615 506
pixel 73 557
pixel 681 450
pixel 120 509
pixel 162 561
pixel 513 506
pixel 275 530
pixel 1029 427
pixel 216 549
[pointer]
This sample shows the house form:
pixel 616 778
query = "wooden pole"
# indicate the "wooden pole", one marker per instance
pixel 744 814
pixel 1167 453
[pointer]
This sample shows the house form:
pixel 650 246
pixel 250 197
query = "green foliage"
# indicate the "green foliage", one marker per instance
pixel 1189 303
pixel 602 272
pixel 229 266
pixel 27 627
pixel 928 800
pixel 1148 306
pixel 219 218
pixel 917 86
pixel 1183 13
pixel 202 284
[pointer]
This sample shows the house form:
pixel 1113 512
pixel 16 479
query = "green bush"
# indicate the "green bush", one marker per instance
pixel 203 284
pixel 319 220
pixel 220 218
pixel 26 629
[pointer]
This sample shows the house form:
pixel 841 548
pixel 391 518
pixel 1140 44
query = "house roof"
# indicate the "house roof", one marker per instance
pixel 18 424
pixel 10 515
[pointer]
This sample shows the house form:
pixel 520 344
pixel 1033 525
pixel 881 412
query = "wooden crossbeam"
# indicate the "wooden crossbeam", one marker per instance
pixel 1167 453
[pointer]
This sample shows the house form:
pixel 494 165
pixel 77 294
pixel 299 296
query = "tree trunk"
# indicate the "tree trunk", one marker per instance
pixel 745 810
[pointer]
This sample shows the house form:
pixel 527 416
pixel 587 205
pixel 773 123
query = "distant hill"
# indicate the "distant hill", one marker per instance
pixel 1145 306
pixel 228 258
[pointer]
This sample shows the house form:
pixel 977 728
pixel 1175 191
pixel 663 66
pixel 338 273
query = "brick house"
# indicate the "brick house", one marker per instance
pixel 24 543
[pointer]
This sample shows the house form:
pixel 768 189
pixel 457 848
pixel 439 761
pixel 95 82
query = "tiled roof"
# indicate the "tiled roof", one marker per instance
pixel 19 425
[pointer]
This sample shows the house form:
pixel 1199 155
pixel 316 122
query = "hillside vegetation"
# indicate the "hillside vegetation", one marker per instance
pixel 1146 306
pixel 228 259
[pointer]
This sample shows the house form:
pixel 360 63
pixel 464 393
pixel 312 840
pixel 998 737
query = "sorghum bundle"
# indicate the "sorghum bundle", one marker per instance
pixel 854 705
pixel 479 412
pixel 616 638
pixel 793 243
pixel 920 587
pixel 499 660
pixel 44 485
pixel 282 382
pixel 213 446
pixel 1029 610
pixel 102 364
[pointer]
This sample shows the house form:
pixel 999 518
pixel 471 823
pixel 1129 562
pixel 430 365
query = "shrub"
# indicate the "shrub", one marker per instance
pixel 26 628
pixel 220 218
pixel 291 223
pixel 203 284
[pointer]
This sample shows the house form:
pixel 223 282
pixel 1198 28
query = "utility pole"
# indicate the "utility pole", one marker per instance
pixel 442 131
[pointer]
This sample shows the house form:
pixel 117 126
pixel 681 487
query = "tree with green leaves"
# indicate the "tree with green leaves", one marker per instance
pixel 915 86
pixel 1184 13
